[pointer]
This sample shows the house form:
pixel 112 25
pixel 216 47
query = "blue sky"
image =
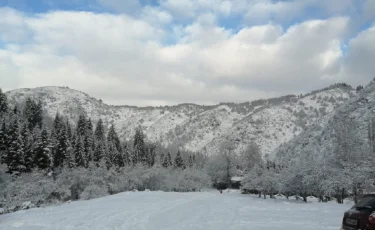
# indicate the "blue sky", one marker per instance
pixel 157 52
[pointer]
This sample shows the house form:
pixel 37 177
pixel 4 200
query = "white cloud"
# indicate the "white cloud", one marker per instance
pixel 155 15
pixel 123 59
pixel 358 67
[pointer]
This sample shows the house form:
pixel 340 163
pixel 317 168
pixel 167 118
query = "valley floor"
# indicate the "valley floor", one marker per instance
pixel 178 211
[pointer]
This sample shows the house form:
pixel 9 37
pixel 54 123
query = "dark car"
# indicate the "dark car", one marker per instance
pixel 361 216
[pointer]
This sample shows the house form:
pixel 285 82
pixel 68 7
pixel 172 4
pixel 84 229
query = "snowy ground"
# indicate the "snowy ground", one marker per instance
pixel 179 211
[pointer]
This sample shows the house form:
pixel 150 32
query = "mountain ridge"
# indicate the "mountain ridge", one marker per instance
pixel 199 128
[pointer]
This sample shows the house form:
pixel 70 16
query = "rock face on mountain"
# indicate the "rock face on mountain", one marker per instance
pixel 268 123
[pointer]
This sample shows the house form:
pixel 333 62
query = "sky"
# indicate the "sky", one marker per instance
pixel 166 52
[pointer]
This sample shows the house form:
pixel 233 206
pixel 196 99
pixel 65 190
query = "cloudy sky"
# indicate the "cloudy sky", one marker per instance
pixel 158 52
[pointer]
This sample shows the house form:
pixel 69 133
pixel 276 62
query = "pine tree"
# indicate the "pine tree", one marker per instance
pixel 59 139
pixel 3 103
pixel 69 131
pixel 81 126
pixel 167 161
pixel 139 147
pixel 100 142
pixel 88 149
pixel 79 152
pixel 16 111
pixel 16 152
pixel 27 140
pixel 99 131
pixel 112 157
pixel 113 138
pixel 3 142
pixel 60 149
pixel 33 113
pixel 89 143
pixel 161 158
pixel 191 163
pixel 179 162
pixel 42 158
pixel 126 154
pixel 151 155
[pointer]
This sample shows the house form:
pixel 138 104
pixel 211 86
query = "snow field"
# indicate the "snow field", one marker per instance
pixel 179 211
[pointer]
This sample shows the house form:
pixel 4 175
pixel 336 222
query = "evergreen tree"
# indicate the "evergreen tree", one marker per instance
pixel 126 154
pixel 79 152
pixel 113 138
pixel 139 147
pixel 100 142
pixel 81 126
pixel 99 131
pixel 3 142
pixel 88 149
pixel 27 140
pixel 190 163
pixel 70 157
pixel 167 160
pixel 16 111
pixel 89 142
pixel 112 158
pixel 69 131
pixel 42 158
pixel 59 138
pixel 151 155
pixel 3 103
pixel 165 163
pixel 179 162
pixel 16 152
pixel 161 158
pixel 56 127
pixel 33 113
pixel 60 149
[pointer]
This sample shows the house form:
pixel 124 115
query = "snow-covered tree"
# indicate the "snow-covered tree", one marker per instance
pixel 179 161
pixel 3 103
pixel 15 154
pixel 250 157
pixel 42 156
pixel 139 147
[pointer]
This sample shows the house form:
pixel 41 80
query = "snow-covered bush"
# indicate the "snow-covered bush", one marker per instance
pixel 189 180
pixel 35 187
pixel 93 191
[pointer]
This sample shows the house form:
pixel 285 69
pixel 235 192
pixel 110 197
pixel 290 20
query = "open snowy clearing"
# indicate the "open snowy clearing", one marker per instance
pixel 174 211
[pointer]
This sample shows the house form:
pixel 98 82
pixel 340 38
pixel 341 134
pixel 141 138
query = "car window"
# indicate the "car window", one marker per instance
pixel 366 201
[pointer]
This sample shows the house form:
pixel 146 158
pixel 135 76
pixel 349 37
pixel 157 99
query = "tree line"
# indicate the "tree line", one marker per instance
pixel 27 143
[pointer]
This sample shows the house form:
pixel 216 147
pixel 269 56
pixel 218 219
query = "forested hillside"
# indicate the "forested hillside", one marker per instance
pixel 203 129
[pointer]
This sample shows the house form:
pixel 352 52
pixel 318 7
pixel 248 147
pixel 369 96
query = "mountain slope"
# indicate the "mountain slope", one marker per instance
pixel 268 123
pixel 353 119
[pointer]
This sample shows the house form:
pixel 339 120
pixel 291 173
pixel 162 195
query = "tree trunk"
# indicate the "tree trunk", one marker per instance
pixel 260 195
pixel 355 195
pixel 305 198
pixel 342 195
pixel 265 195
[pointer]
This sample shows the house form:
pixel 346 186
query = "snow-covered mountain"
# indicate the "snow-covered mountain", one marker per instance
pixel 268 123
pixel 355 119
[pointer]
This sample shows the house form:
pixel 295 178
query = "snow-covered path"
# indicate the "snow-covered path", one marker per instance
pixel 178 211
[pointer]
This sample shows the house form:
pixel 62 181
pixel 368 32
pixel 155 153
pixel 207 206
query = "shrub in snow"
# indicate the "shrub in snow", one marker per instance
pixel 27 205
pixel 34 187
pixel 93 191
